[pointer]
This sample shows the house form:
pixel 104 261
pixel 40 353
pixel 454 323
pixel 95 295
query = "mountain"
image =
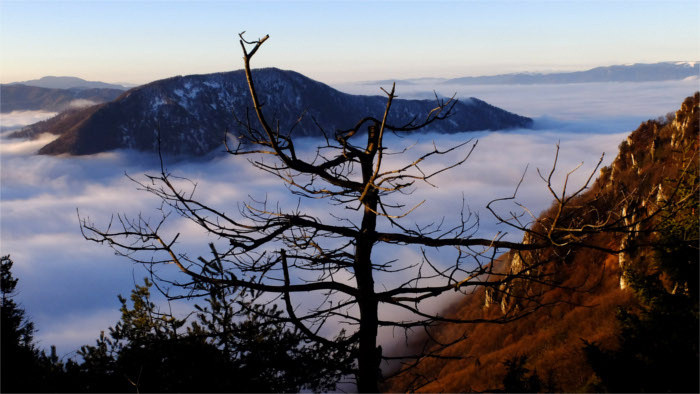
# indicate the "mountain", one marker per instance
pixel 51 82
pixel 625 73
pixel 194 112
pixel 406 82
pixel 665 71
pixel 17 97
pixel 624 322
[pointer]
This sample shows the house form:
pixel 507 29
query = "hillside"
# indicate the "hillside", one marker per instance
pixel 194 112
pixel 18 97
pixel 651 185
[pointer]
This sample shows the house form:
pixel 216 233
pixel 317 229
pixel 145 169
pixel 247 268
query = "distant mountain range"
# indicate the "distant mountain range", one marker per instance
pixel 67 92
pixel 18 97
pixel 52 82
pixel 193 113
pixel 665 71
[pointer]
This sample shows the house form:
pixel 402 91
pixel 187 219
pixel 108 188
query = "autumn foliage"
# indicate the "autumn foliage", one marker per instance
pixel 651 182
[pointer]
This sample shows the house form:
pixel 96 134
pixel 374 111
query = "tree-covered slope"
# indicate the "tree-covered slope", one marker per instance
pixel 193 113
pixel 623 321
pixel 17 97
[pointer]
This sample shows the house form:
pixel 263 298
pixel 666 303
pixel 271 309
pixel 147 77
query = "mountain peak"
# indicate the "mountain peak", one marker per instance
pixel 192 113
pixel 67 82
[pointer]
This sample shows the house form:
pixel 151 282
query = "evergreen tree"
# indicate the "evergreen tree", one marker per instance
pixel 148 351
pixel 519 379
pixel 23 367
pixel 659 344
pixel 271 356
pixel 19 357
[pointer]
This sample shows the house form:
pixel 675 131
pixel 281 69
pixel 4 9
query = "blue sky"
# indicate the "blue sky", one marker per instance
pixel 137 42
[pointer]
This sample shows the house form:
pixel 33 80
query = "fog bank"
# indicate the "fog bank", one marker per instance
pixel 68 285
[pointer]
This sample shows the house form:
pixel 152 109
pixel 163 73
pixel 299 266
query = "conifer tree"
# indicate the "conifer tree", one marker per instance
pixel 218 352
pixel 19 357
pixel 658 349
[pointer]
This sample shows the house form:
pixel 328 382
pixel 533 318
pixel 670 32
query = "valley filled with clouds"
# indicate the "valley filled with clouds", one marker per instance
pixel 69 286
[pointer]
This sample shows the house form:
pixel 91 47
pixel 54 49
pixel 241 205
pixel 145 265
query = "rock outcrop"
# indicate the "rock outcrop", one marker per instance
pixel 656 169
pixel 632 191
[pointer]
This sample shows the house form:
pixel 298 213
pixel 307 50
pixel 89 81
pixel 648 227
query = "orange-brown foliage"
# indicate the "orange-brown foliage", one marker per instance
pixel 590 294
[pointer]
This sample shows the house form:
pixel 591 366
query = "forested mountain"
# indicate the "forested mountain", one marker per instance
pixel 192 114
pixel 616 322
pixel 18 97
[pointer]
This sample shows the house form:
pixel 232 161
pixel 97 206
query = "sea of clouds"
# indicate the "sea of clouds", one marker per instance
pixel 68 285
pixel 16 119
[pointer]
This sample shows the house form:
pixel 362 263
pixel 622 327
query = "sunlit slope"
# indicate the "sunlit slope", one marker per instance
pixel 633 191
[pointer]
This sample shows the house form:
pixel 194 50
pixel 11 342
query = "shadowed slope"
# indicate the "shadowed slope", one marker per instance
pixel 194 112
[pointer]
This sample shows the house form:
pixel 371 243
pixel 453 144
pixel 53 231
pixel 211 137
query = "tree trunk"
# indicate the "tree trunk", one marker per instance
pixel 369 357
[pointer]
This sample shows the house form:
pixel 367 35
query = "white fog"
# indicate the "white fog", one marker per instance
pixel 69 286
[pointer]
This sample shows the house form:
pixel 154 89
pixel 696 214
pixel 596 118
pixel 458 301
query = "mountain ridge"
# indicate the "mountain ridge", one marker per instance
pixel 192 113
pixel 638 72
pixel 18 97
pixel 68 82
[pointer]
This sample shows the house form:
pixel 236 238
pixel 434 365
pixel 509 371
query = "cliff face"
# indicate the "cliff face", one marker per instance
pixel 192 114
pixel 639 185
pixel 630 200
pixel 641 177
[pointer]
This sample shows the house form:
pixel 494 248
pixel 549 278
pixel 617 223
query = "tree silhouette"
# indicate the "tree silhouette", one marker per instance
pixel 519 379
pixel 18 352
pixel 147 351
pixel 323 269
pixel 24 368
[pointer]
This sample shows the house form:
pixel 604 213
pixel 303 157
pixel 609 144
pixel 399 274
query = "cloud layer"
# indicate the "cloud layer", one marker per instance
pixel 16 119
pixel 620 104
pixel 69 285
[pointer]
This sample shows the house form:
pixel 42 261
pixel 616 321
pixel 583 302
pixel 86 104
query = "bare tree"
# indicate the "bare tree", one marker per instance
pixel 263 251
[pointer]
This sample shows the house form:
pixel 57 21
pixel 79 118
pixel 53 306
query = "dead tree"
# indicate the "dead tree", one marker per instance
pixel 262 251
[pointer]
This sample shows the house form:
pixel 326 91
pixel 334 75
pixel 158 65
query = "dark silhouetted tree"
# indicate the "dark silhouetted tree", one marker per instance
pixel 148 351
pixel 267 355
pixel 145 352
pixel 151 351
pixel 273 255
pixel 519 378
pixel 658 344
pixel 24 368
pixel 19 357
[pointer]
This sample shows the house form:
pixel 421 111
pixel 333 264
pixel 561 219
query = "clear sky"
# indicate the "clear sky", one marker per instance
pixel 334 41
